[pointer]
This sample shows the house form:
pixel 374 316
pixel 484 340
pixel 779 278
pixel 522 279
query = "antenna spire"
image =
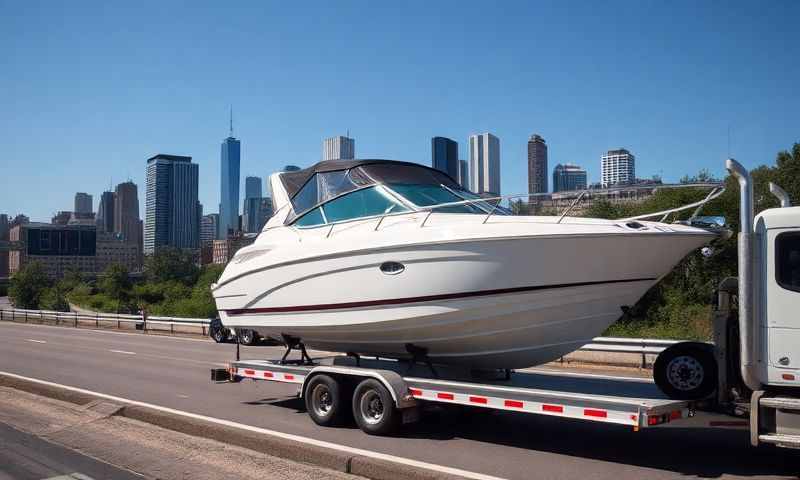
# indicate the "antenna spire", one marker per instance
pixel 231 124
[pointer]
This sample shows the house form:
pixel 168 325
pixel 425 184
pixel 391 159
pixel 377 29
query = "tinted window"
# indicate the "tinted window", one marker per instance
pixel 361 203
pixel 787 257
pixel 427 195
pixel 310 219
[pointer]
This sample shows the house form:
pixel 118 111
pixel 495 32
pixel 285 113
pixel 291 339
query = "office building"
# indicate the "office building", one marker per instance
pixel 105 213
pixel 83 203
pixel 5 229
pixel 61 218
pixel 127 223
pixel 537 165
pixel 256 213
pixel 229 186
pixel 568 177
pixel 338 148
pixel 171 206
pixel 208 228
pixel 617 167
pixel 484 164
pixel 463 174
pixel 252 187
pixel 444 156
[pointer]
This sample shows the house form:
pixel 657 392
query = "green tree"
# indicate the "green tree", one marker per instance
pixel 28 285
pixel 53 299
pixel 169 263
pixel 116 284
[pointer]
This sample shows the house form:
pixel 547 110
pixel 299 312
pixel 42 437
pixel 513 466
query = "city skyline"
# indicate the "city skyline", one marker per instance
pixel 129 89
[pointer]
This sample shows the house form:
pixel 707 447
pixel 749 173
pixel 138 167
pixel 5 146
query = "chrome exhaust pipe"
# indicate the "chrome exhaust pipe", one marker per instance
pixel 748 326
pixel 780 194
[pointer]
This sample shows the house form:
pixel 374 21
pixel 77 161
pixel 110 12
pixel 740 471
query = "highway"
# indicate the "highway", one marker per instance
pixel 174 372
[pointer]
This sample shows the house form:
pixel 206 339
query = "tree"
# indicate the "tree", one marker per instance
pixel 28 285
pixel 116 283
pixel 169 263
pixel 54 299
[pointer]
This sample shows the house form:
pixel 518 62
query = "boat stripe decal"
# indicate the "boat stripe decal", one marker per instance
pixel 428 298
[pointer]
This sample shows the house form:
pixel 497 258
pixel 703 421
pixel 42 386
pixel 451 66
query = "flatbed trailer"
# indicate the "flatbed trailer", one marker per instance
pixel 628 401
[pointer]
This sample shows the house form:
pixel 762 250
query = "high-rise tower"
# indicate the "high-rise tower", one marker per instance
pixel 537 164
pixel 172 210
pixel 484 164
pixel 229 184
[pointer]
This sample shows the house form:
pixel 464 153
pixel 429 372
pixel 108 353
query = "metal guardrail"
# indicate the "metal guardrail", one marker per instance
pixel 642 346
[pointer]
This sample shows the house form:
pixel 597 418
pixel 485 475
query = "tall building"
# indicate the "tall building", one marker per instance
pixel 568 177
pixel 463 174
pixel 208 228
pixel 83 203
pixel 484 164
pixel 537 164
pixel 617 167
pixel 444 156
pixel 105 213
pixel 256 213
pixel 5 228
pixel 338 148
pixel 229 186
pixel 171 206
pixel 252 187
pixel 61 218
pixel 126 214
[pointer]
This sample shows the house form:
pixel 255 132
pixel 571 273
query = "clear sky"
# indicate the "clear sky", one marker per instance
pixel 89 90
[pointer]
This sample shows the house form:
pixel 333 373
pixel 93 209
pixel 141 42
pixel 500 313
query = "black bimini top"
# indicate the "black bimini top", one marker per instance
pixel 319 183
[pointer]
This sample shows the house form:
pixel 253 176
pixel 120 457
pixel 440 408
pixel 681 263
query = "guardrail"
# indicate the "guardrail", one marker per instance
pixel 75 319
pixel 642 346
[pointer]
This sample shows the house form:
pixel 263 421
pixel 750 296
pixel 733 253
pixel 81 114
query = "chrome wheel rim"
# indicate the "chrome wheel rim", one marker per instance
pixel 371 407
pixel 685 373
pixel 322 400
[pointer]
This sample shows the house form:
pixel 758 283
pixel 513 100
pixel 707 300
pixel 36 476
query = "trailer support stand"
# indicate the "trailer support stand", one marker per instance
pixel 291 344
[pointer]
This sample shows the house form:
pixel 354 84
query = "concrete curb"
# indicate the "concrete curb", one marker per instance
pixel 376 469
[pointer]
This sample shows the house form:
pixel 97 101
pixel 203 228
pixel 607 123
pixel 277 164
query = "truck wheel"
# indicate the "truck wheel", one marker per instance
pixel 686 371
pixel 247 337
pixel 373 408
pixel 217 332
pixel 325 403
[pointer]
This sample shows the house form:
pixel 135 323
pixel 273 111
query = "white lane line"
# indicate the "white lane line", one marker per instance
pixel 124 352
pixel 110 332
pixel 287 436
pixel 34 341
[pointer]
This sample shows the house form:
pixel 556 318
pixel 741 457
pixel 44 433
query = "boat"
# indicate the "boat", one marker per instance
pixel 397 260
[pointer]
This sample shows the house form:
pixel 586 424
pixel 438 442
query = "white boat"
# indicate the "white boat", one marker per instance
pixel 394 259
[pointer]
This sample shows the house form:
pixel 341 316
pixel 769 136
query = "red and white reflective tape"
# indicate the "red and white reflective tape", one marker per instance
pixel 622 417
pixel 268 375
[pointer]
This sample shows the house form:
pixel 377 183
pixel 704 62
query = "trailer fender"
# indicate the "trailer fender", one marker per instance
pixel 393 381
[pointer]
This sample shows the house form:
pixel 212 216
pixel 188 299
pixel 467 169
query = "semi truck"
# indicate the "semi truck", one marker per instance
pixel 747 377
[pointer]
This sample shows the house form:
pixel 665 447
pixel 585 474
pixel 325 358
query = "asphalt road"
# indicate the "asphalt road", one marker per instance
pixel 174 372
pixel 27 457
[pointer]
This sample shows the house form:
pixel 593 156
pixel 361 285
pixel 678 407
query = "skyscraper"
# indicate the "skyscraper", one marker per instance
pixel 208 228
pixel 171 211
pixel 617 167
pixel 252 187
pixel 83 203
pixel 537 164
pixel 229 186
pixel 126 213
pixel 463 174
pixel 105 213
pixel 484 164
pixel 568 177
pixel 338 148
pixel 444 156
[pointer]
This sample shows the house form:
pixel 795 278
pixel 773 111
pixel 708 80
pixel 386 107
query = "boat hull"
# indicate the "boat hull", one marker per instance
pixel 482 303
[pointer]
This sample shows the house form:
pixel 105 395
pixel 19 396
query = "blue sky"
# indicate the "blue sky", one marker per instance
pixel 89 90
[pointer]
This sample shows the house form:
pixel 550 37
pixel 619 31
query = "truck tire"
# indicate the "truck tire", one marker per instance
pixel 217 332
pixel 686 371
pixel 247 337
pixel 373 408
pixel 325 402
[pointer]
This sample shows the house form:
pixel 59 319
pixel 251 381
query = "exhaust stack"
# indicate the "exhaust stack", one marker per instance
pixel 748 326
pixel 780 194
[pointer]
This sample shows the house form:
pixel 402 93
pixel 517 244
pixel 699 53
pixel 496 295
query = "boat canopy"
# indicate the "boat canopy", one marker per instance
pixel 316 185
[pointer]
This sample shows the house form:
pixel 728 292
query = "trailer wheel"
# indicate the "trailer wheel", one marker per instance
pixel 325 403
pixel 686 371
pixel 373 408
pixel 247 337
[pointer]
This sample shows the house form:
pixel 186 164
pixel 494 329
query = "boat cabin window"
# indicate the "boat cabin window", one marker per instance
pixel 787 257
pixel 427 195
pixel 367 202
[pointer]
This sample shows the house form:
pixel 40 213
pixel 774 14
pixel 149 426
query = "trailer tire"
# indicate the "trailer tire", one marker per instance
pixel 373 408
pixel 325 402
pixel 686 371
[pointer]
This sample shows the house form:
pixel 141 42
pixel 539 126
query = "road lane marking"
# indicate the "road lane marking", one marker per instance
pixel 274 433
pixel 34 341
pixel 124 352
